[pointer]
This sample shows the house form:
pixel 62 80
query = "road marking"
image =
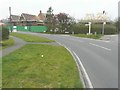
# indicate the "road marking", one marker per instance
pixel 81 75
pixel 85 78
pixel 84 72
pixel 100 46
pixel 59 43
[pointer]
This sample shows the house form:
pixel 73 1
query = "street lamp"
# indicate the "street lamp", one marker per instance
pixel 103 28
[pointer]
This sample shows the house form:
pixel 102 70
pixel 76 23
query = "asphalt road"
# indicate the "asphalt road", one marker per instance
pixel 99 57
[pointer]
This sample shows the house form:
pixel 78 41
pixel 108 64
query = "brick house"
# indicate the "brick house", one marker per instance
pixel 15 20
pixel 28 19
pixel 42 16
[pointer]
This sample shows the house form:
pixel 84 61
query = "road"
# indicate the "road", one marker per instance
pixel 99 57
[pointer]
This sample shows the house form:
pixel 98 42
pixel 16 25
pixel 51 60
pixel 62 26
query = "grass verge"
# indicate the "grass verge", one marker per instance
pixel 31 38
pixel 7 43
pixel 88 36
pixel 27 68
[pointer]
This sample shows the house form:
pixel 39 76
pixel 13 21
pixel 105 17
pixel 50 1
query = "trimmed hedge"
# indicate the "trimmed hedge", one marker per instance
pixel 82 29
pixel 4 33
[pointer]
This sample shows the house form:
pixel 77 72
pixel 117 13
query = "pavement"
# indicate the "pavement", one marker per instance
pixel 17 44
pixel 98 57
pixel 110 37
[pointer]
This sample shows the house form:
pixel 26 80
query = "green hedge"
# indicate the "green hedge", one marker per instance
pixel 82 29
pixel 4 33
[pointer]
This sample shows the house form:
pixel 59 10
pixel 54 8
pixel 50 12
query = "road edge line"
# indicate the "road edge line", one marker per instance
pixel 85 75
pixel 82 72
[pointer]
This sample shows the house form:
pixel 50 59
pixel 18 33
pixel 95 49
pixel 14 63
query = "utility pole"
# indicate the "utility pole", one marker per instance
pixel 103 24
pixel 10 19
pixel 103 28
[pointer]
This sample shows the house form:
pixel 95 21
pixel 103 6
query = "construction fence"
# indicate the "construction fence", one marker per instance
pixel 28 28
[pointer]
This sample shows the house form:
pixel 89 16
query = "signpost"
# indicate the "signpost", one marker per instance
pixel 89 28
pixel 89 24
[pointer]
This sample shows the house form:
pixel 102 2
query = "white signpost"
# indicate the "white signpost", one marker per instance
pixel 89 28
pixel 89 24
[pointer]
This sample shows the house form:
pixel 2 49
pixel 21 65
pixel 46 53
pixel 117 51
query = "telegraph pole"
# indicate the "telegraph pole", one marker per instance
pixel 103 24
pixel 10 19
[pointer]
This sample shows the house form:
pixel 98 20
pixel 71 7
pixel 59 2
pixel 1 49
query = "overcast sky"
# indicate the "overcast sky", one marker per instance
pixel 76 8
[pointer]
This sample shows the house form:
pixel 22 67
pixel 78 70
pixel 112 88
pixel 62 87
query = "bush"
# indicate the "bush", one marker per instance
pixel 82 29
pixel 4 33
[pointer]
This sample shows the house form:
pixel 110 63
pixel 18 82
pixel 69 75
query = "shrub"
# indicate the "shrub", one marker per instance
pixel 4 33
pixel 82 29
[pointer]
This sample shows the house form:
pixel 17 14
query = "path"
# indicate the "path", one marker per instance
pixel 17 44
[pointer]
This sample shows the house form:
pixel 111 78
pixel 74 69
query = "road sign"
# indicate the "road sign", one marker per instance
pixel 86 24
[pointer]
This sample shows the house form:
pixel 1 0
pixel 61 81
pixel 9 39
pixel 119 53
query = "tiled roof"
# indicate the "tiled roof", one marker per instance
pixel 30 17
pixel 42 16
pixel 15 17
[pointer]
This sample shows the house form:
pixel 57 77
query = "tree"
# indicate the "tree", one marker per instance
pixel 65 22
pixel 117 24
pixel 50 19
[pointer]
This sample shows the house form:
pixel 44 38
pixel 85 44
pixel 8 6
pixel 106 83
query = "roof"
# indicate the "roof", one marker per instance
pixel 30 17
pixel 15 17
pixel 42 16
pixel 1 23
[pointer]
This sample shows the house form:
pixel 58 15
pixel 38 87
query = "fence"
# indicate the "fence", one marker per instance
pixel 29 28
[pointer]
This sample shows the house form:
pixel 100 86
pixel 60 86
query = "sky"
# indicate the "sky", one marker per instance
pixel 75 8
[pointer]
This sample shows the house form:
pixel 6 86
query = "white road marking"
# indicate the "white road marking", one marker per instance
pixel 59 43
pixel 81 76
pixel 100 46
pixel 84 76
pixel 84 71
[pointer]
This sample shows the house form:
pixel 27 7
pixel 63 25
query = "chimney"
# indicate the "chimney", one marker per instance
pixel 40 11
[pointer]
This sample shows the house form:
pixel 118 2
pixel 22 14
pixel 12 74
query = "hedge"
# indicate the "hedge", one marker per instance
pixel 4 33
pixel 82 29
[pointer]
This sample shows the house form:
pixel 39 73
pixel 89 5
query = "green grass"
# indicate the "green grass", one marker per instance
pixel 31 38
pixel 26 68
pixel 88 36
pixel 7 43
